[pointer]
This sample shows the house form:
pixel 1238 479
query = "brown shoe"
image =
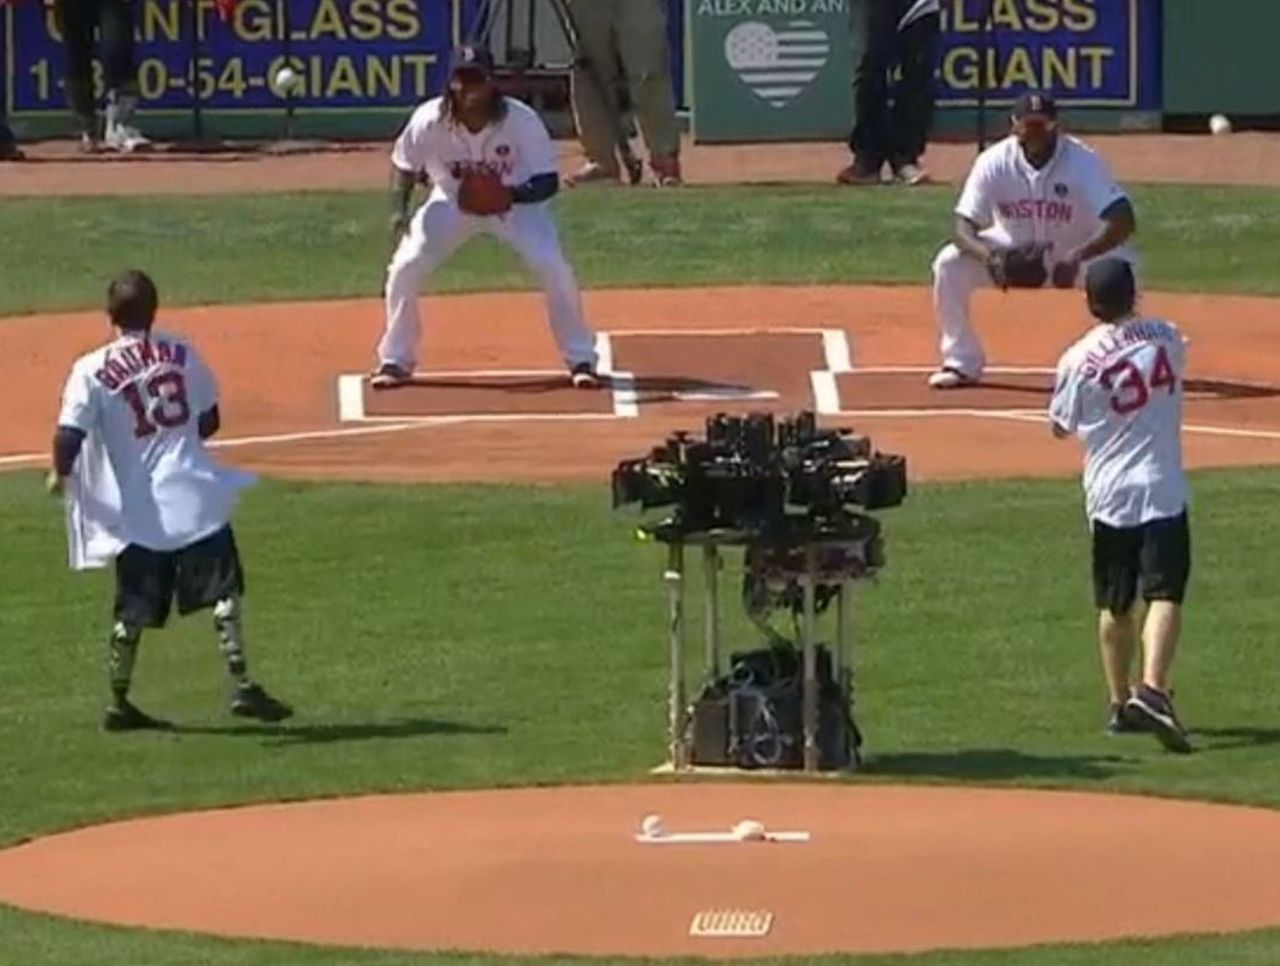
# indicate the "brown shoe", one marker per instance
pixel 9 151
pixel 592 173
pixel 666 171
pixel 859 173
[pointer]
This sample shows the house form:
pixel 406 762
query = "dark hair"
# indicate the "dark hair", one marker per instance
pixel 497 103
pixel 1111 289
pixel 132 301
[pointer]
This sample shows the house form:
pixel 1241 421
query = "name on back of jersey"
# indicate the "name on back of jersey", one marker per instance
pixel 127 362
pixel 1099 357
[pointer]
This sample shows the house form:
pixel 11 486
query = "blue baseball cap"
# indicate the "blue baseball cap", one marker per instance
pixel 472 58
pixel 1035 104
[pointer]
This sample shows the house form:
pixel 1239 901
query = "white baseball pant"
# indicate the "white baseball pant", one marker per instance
pixel 956 276
pixel 437 230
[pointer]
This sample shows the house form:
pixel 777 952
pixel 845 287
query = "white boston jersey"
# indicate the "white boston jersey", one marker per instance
pixel 1060 204
pixel 1120 389
pixel 140 398
pixel 517 148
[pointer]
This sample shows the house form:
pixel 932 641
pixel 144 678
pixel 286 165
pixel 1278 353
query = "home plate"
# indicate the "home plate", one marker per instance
pixel 725 394
pixel 716 838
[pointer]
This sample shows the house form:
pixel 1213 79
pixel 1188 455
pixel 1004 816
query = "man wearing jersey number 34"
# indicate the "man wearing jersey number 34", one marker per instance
pixel 492 168
pixel 1036 208
pixel 141 490
pixel 1120 389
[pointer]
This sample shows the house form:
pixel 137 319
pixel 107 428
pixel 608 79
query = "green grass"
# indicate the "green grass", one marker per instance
pixel 464 660
pixel 213 249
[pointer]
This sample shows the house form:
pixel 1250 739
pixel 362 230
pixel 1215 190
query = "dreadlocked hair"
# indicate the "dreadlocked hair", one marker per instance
pixel 497 105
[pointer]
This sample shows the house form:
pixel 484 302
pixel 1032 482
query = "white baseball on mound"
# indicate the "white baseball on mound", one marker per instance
pixel 286 81
pixel 652 826
pixel 1220 124
pixel 749 830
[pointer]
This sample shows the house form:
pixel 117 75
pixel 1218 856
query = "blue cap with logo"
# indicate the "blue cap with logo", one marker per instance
pixel 1035 104
pixel 473 58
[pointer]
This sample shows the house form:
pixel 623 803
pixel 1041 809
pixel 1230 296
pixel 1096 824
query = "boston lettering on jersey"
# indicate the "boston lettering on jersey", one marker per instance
pixel 133 360
pixel 1037 208
pixel 501 169
pixel 1095 361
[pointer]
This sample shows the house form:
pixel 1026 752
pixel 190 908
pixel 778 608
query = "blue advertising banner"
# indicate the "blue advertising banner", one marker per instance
pixel 350 54
pixel 1087 53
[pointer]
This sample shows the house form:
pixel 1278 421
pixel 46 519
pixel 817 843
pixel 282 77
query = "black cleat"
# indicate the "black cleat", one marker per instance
pixel 390 376
pixel 584 376
pixel 1154 712
pixel 251 701
pixel 123 716
pixel 1121 721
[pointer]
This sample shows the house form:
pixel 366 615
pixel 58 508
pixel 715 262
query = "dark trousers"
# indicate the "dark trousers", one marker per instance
pixel 79 21
pixel 895 132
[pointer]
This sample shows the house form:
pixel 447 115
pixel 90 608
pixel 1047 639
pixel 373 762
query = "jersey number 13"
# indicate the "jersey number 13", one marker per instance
pixel 164 406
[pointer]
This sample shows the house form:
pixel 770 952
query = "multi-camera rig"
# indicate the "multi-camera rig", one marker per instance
pixel 795 498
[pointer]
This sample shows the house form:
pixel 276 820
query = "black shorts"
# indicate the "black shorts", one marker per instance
pixel 200 574
pixel 1154 557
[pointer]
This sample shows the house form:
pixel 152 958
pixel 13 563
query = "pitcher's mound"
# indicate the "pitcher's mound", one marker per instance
pixel 560 870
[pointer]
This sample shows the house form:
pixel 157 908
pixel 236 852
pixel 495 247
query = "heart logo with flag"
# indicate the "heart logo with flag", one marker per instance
pixel 777 64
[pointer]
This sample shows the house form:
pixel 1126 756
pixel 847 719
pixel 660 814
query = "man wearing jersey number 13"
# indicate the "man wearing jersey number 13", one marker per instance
pixel 1036 208
pixel 140 487
pixel 1120 389
pixel 492 169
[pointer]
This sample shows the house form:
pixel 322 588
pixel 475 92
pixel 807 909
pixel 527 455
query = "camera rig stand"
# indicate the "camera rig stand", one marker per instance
pixel 802 562
pixel 796 500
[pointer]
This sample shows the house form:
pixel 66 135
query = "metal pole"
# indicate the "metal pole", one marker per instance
pixel 844 650
pixel 673 577
pixel 711 575
pixel 843 608
pixel 197 113
pixel 983 74
pixel 810 692
pixel 286 50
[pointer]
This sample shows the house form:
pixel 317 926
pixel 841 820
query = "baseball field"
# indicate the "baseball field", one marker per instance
pixel 474 642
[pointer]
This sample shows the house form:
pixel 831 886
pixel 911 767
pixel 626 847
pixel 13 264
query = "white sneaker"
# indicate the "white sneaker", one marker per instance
pixel 120 134
pixel 912 175
pixel 126 139
pixel 949 378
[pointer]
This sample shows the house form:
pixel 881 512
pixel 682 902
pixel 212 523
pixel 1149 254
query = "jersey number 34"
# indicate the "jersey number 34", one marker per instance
pixel 165 405
pixel 1131 388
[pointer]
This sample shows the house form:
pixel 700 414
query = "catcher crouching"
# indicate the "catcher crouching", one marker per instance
pixel 492 168
pixel 1037 207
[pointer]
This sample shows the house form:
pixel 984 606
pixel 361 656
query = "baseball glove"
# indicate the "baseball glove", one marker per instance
pixel 1019 267
pixel 483 193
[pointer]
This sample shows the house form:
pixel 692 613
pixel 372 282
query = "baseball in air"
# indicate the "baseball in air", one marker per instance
pixel 1220 124
pixel 652 826
pixel 286 82
pixel 749 830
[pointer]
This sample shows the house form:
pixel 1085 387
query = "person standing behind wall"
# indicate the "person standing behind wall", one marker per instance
pixel 633 32
pixel 897 33
pixel 107 25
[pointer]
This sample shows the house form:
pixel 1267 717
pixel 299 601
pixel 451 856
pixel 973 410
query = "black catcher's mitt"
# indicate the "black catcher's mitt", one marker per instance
pixel 1019 267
